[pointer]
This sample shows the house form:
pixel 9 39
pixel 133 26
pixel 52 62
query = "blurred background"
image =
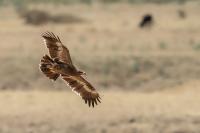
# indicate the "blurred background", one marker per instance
pixel 143 56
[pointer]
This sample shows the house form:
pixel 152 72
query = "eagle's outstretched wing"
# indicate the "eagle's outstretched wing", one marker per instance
pixel 56 48
pixel 83 88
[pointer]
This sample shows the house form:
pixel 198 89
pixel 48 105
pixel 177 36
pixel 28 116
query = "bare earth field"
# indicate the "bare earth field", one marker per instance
pixel 149 79
pixel 176 111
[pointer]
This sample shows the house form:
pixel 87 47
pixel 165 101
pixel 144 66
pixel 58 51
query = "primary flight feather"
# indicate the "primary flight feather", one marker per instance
pixel 59 64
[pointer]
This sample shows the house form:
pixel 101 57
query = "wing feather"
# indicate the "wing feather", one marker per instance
pixel 83 88
pixel 56 48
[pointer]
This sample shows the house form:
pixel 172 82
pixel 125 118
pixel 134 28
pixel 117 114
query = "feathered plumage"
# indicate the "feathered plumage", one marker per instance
pixel 60 64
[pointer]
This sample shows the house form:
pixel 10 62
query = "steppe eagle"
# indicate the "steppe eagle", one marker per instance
pixel 59 64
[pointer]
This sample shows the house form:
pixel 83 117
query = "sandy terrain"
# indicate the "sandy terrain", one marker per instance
pixel 174 111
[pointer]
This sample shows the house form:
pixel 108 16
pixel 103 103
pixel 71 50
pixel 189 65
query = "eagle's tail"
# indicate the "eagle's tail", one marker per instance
pixel 46 67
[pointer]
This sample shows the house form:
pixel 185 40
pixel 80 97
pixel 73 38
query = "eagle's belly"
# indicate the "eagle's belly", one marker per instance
pixel 67 70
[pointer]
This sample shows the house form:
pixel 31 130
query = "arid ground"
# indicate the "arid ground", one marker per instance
pixel 149 79
pixel 174 111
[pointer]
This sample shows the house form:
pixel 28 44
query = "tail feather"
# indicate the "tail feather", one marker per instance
pixel 46 67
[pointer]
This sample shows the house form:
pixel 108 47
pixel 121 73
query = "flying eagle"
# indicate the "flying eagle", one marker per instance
pixel 59 64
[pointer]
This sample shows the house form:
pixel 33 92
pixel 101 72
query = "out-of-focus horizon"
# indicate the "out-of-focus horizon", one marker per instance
pixel 126 47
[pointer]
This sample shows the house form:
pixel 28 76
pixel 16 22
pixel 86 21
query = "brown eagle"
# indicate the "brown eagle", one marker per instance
pixel 59 64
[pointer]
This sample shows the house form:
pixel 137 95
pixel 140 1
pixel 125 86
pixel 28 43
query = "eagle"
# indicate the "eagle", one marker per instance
pixel 59 64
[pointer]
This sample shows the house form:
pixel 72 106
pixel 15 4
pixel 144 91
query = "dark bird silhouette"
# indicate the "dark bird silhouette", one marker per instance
pixel 59 64
pixel 147 21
